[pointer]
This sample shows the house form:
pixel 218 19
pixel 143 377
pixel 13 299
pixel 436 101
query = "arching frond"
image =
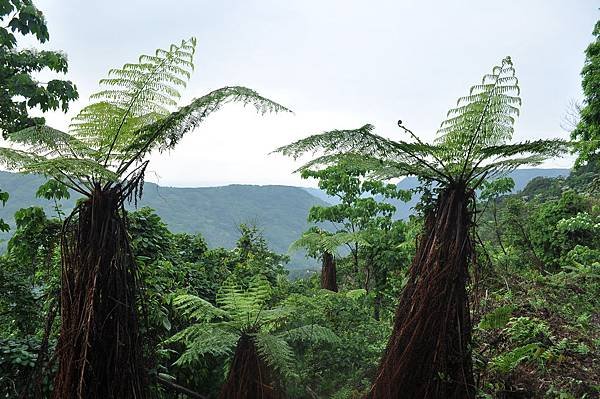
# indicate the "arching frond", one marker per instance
pixel 17 160
pixel 244 306
pixel 166 132
pixel 499 160
pixel 201 340
pixel 196 308
pixel 547 148
pixel 317 241
pixel 49 142
pixel 408 157
pixel 275 352
pixel 133 96
pixel 310 333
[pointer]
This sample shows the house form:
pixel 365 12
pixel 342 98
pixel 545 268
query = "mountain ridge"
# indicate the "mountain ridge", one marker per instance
pixel 280 211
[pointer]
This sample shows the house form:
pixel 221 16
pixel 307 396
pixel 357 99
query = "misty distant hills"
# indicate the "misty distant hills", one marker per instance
pixel 216 212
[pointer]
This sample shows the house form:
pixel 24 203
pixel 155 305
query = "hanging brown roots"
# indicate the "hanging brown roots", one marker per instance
pixel 249 377
pixel 328 272
pixel 99 349
pixel 428 354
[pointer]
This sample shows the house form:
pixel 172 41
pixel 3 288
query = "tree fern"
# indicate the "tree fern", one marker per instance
pixel 472 142
pixel 317 241
pixel 133 113
pixel 102 158
pixel 432 326
pixel 243 316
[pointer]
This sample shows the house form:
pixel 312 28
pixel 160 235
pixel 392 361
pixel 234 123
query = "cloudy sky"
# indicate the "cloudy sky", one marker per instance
pixel 336 64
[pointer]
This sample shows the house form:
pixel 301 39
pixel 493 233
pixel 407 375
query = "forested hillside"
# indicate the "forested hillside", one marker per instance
pixel 216 212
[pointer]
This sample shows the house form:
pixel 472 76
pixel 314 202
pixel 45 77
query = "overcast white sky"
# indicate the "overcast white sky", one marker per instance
pixel 337 64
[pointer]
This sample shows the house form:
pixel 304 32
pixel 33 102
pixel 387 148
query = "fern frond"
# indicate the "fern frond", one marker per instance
pixel 275 352
pixel 318 241
pixel 196 308
pixel 244 306
pixel 18 160
pixel 134 96
pixel 48 142
pixel 201 340
pixel 311 333
pixel 165 133
pixel 483 118
pixel 377 153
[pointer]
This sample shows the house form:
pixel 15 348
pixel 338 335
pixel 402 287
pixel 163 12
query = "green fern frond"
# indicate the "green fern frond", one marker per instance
pixel 311 333
pixel 470 144
pixel 18 160
pixel 483 118
pixel 275 352
pixel 167 132
pixel 196 308
pixel 244 306
pixel 134 96
pixel 318 241
pixel 46 141
pixel 498 318
pixel 201 340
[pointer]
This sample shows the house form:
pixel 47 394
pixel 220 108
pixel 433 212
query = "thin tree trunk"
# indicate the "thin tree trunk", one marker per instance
pixel 496 227
pixel 329 273
pixel 99 349
pixel 428 354
pixel 249 377
pixel 377 305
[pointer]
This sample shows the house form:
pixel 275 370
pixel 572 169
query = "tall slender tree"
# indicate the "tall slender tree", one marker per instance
pixel 103 158
pixel 428 354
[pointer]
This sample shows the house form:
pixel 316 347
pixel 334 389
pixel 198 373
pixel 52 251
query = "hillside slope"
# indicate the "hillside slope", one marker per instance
pixel 216 212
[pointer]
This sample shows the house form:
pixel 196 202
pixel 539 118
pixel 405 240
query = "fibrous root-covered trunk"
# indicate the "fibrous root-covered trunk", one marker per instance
pixel 99 348
pixel 328 272
pixel 249 377
pixel 428 354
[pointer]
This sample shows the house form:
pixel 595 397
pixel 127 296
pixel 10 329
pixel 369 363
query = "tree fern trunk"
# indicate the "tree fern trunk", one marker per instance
pixel 428 354
pixel 249 377
pixel 99 349
pixel 328 273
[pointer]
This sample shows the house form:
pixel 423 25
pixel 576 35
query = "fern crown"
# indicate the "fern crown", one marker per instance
pixel 471 144
pixel 134 113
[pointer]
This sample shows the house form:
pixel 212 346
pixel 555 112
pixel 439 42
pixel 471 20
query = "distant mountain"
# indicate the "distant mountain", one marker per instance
pixel 405 209
pixel 216 212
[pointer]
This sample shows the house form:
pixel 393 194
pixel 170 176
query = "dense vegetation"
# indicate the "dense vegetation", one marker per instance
pixel 482 292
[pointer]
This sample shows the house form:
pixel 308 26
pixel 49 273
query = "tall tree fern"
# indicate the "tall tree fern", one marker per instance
pixel 428 354
pixel 246 330
pixel 103 157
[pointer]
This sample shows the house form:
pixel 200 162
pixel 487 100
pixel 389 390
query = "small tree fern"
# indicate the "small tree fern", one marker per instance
pixel 103 157
pixel 324 245
pixel 243 328
pixel 428 354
